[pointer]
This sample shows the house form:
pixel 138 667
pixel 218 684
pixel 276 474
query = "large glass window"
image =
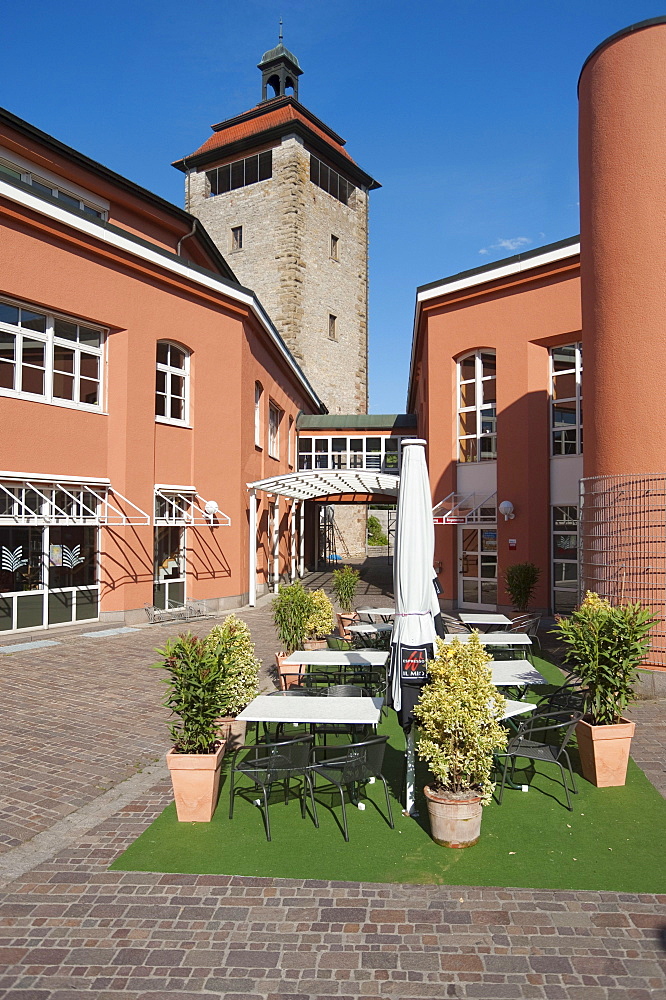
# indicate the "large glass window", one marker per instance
pixel 49 358
pixel 240 173
pixel 258 422
pixel 566 407
pixel 477 407
pixel 565 559
pixel 172 385
pixel 381 454
pixel 274 418
pixel 331 181
pixel 48 574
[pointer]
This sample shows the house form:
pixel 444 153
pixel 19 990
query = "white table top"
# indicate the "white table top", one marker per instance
pixel 515 672
pixel 492 638
pixel 338 658
pixel 513 708
pixel 369 628
pixel 383 612
pixel 481 618
pixel 308 708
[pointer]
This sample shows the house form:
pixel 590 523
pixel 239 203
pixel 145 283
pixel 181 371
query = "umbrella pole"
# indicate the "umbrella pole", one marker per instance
pixel 409 809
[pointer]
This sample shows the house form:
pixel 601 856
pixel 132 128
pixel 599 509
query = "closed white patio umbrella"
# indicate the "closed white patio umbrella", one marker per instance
pixel 415 600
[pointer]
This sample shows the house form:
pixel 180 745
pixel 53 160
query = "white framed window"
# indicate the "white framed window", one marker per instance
pixel 274 419
pixel 477 407
pixel 566 399
pixel 258 422
pixel 290 443
pixel 50 358
pixel 172 387
pixel 47 186
pixel 565 559
pixel 381 454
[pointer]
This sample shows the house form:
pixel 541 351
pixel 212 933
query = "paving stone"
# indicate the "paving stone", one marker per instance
pixel 69 926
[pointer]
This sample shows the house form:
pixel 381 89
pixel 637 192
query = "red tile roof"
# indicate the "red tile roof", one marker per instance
pixel 263 117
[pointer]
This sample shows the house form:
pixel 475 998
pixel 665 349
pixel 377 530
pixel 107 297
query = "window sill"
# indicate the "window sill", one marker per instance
pixel 65 403
pixel 276 458
pixel 173 423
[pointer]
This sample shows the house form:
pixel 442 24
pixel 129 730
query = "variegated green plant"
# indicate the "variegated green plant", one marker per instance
pixel 605 645
pixel 320 619
pixel 239 677
pixel 459 715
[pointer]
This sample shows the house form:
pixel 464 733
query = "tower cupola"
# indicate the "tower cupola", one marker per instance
pixel 280 71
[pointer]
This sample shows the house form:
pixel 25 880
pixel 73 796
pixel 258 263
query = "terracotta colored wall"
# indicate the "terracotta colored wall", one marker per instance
pixel 216 454
pixel 622 184
pixel 519 319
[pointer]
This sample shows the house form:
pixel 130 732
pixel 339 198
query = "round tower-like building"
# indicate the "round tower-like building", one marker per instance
pixel 622 155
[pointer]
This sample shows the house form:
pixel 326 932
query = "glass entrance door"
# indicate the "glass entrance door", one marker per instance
pixel 477 567
pixel 169 583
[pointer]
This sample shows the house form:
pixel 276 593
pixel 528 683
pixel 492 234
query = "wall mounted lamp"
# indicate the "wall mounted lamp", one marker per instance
pixel 506 508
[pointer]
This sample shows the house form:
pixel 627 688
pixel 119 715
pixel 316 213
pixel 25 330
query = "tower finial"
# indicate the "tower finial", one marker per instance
pixel 280 35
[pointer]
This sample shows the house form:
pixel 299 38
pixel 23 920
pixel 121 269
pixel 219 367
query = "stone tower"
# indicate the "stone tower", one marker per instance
pixel 288 207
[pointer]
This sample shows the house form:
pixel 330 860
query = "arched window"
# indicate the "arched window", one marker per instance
pixel 477 407
pixel 258 423
pixel 172 384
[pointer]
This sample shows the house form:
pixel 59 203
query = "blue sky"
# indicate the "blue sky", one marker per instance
pixel 464 110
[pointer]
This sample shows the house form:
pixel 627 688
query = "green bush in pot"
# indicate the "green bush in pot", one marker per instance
pixel 604 645
pixel 239 682
pixel 320 621
pixel 458 714
pixel 194 699
pixel 292 608
pixel 520 581
pixel 345 582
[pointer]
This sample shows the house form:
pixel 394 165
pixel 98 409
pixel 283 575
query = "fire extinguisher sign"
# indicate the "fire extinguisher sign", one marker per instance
pixel 413 663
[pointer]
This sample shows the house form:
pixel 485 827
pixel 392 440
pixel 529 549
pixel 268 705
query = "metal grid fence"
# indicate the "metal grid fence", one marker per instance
pixel 623 546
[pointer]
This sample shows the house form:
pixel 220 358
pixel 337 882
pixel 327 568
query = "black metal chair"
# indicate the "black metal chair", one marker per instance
pixel 267 764
pixel 326 729
pixel 291 692
pixel 560 728
pixel 529 624
pixel 352 766
pixel 570 695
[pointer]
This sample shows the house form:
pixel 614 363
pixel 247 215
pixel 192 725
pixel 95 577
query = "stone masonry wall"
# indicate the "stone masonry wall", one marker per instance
pixel 287 226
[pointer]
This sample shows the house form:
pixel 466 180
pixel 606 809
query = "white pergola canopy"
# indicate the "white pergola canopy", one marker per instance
pixel 317 484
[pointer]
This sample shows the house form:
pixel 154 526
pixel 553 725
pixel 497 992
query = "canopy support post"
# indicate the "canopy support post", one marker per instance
pixel 292 540
pixel 252 551
pixel 301 539
pixel 276 543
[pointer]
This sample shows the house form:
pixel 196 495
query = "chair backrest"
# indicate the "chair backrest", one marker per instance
pixel 294 692
pixel 337 642
pixel 455 627
pixel 345 691
pixel 569 695
pixel 360 760
pixel 285 755
pixel 314 681
pixel 559 725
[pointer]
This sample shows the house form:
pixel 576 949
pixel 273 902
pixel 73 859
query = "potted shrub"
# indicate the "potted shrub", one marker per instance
pixel 193 697
pixel 320 621
pixel 520 581
pixel 239 680
pixel 459 713
pixel 345 582
pixel 292 608
pixel 605 645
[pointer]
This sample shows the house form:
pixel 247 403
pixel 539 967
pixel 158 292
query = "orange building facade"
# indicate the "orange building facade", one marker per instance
pixel 496 384
pixel 141 388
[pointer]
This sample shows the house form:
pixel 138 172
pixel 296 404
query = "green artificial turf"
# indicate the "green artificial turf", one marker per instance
pixel 611 840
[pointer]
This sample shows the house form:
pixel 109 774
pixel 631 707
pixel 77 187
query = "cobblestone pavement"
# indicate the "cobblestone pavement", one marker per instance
pixel 70 926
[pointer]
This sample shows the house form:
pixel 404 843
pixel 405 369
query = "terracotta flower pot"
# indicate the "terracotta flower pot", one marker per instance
pixel 231 731
pixel 453 822
pixel 196 783
pixel 344 620
pixel 604 752
pixel 314 644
